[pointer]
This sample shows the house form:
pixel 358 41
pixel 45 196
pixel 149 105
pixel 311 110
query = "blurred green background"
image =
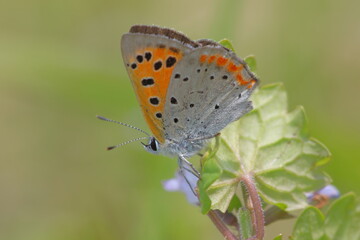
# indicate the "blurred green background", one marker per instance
pixel 60 65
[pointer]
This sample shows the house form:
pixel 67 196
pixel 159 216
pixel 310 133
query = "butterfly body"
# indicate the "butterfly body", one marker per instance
pixel 188 91
pixel 184 147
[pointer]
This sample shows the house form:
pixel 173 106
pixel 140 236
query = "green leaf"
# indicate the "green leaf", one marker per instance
pixel 278 237
pixel 343 218
pixel 251 62
pixel 274 146
pixel 274 213
pixel 309 225
pixel 226 43
pixel 244 219
pixel 342 221
pixel 235 203
pixel 211 172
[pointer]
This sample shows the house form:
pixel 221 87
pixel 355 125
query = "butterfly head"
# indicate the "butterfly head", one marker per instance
pixel 171 148
pixel 153 146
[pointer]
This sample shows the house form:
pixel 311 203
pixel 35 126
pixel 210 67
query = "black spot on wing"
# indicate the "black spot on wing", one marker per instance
pixel 157 65
pixel 139 58
pixel 154 100
pixel 147 82
pixel 173 100
pixel 148 56
pixel 170 61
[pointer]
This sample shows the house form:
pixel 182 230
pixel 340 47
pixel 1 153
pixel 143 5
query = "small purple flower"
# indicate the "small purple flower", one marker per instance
pixel 179 184
pixel 321 197
pixel 329 191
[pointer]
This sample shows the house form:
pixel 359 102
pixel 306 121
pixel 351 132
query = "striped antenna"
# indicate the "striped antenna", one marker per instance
pixel 127 142
pixel 121 123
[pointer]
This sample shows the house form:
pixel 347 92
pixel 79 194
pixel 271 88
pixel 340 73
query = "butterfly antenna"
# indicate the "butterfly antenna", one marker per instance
pixel 121 123
pixel 127 142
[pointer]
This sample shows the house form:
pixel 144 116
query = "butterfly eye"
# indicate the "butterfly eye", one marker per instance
pixel 154 145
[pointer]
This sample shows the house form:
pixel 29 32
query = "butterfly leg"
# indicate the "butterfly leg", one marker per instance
pixel 190 171
pixel 181 170
pixel 194 170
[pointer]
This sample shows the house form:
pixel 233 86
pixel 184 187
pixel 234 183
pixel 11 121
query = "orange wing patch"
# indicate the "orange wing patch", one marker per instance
pixel 221 61
pixel 203 58
pixel 231 67
pixel 211 59
pixel 150 70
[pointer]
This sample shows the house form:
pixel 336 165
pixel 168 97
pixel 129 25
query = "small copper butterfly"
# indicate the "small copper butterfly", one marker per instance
pixel 188 90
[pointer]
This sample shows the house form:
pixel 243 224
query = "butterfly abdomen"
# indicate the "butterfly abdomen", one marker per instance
pixel 185 147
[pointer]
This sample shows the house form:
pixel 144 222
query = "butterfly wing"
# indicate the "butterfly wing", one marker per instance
pixel 150 55
pixel 209 89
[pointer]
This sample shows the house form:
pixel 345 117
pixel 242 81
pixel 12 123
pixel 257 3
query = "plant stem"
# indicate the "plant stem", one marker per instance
pixel 258 215
pixel 220 225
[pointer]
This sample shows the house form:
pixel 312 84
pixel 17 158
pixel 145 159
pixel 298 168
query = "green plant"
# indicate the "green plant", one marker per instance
pixel 264 167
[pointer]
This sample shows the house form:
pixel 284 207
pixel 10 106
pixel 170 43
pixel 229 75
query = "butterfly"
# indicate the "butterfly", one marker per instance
pixel 188 90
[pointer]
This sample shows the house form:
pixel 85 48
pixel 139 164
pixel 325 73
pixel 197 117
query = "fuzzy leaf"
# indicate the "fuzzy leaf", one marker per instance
pixel 278 237
pixel 211 172
pixel 343 218
pixel 273 145
pixel 251 62
pixel 244 219
pixel 342 221
pixel 235 204
pixel 226 43
pixel 309 225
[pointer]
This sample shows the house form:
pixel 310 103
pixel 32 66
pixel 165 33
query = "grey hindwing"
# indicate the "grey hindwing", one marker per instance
pixel 204 98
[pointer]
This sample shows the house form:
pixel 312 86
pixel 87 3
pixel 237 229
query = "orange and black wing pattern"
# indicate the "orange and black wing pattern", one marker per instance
pixel 150 55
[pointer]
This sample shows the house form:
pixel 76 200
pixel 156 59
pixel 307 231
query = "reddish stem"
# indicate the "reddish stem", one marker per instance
pixel 220 225
pixel 258 215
